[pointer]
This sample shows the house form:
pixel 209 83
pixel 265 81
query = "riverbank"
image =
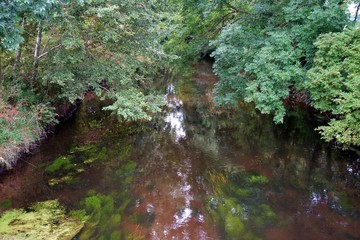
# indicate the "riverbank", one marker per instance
pixel 23 128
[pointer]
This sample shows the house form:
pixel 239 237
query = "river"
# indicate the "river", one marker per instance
pixel 196 171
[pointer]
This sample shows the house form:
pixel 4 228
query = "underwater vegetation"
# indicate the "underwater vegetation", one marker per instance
pixel 104 212
pixel 5 204
pixel 63 170
pixel 238 205
pixel 43 220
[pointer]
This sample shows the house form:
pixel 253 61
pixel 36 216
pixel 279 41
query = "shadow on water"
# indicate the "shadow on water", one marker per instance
pixel 196 171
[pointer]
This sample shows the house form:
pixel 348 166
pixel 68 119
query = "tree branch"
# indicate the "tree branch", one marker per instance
pixel 45 53
pixel 357 12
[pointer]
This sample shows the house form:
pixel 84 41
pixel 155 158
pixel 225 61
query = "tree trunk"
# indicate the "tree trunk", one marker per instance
pixel 357 12
pixel 36 55
pixel 18 53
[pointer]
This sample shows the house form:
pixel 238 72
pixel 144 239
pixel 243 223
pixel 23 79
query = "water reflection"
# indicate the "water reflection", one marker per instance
pixel 196 172
pixel 174 118
pixel 354 168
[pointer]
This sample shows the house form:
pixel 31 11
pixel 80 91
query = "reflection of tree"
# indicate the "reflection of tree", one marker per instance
pixel 294 152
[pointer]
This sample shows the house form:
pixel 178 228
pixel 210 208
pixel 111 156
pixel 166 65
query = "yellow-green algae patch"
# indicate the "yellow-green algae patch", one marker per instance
pixel 43 220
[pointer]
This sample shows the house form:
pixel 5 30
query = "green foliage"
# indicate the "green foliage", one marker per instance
pixel 263 51
pixel 111 48
pixel 11 32
pixel 334 85
pixel 133 105
pixel 107 42
pixel 264 55
pixel 197 22
pixel 272 71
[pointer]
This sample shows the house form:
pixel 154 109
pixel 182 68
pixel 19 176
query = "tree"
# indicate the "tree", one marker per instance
pixel 198 22
pixel 334 84
pixel 263 56
pixel 12 14
pixel 110 47
pixel 54 51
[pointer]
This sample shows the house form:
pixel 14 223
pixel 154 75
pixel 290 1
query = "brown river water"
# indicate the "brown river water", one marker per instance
pixel 195 172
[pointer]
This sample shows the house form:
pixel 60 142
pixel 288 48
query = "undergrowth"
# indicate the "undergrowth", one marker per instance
pixel 22 124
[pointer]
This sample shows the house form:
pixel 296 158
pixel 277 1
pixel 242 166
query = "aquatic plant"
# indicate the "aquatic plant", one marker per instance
pixel 42 221
pixel 105 215
pixel 105 211
pixel 61 163
pixel 238 205
pixel 65 169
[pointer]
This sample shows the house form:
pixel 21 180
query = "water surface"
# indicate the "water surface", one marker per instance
pixel 195 172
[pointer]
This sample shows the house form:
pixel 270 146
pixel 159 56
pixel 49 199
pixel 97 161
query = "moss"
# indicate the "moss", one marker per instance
pixel 241 193
pixel 138 218
pixel 95 124
pixel 107 205
pixel 45 220
pixel 102 155
pixel 104 217
pixel 105 213
pixel 142 219
pixel 127 169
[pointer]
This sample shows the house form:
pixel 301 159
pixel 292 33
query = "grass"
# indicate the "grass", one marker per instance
pixel 19 130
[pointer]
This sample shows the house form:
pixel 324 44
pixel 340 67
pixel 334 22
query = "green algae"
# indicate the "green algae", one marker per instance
pixel 43 220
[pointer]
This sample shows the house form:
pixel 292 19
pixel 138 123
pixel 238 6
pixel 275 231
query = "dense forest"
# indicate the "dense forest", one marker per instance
pixel 267 53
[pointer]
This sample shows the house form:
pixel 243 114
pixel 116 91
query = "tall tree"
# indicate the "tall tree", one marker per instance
pixel 264 56
pixel 334 84
pixel 110 47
